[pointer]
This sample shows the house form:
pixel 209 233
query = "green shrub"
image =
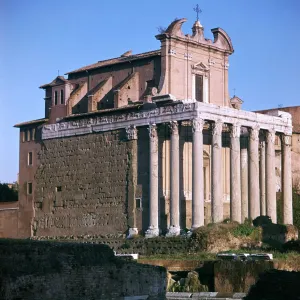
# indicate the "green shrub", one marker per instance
pixel 243 230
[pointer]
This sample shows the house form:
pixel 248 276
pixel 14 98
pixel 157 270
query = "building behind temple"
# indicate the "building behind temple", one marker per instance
pixel 150 143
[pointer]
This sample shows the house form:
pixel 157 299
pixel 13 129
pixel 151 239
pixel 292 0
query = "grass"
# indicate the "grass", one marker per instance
pixel 290 257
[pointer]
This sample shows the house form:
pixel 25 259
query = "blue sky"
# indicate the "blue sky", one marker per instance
pixel 40 38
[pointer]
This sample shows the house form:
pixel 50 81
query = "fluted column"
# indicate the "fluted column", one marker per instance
pixel 235 174
pixel 174 228
pixel 287 179
pixel 153 229
pixel 253 173
pixel 262 176
pixel 131 134
pixel 197 177
pixel 270 178
pixel 216 174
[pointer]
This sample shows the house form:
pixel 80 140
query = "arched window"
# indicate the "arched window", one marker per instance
pixel 62 99
pixel 55 98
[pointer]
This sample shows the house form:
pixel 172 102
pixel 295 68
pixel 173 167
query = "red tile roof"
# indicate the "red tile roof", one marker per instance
pixel 116 60
pixel 31 122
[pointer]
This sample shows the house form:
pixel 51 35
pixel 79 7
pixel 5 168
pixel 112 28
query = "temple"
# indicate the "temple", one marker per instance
pixel 150 144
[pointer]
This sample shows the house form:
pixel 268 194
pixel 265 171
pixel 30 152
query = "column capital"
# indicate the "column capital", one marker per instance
pixel 131 132
pixel 235 130
pixel 286 139
pixel 173 125
pixel 254 132
pixel 217 127
pixel 270 136
pixel 197 125
pixel 152 131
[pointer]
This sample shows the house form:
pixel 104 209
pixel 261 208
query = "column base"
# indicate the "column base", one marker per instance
pixel 173 231
pixel 132 232
pixel 194 227
pixel 151 232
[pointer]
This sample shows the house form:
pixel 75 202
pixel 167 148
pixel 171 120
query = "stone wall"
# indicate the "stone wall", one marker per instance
pixel 238 276
pixel 9 219
pixel 50 270
pixel 81 185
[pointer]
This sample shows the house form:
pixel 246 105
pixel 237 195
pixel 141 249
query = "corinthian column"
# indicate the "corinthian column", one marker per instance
pixel 287 180
pixel 197 170
pixel 262 177
pixel 244 177
pixel 174 228
pixel 253 173
pixel 153 229
pixel 216 174
pixel 235 174
pixel 270 178
pixel 131 134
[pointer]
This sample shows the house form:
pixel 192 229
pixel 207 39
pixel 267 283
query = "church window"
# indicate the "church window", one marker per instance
pixel 29 188
pixel 62 99
pixel 55 98
pixel 199 88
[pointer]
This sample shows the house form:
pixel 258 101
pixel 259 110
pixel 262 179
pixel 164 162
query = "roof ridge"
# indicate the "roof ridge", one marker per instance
pixel 118 59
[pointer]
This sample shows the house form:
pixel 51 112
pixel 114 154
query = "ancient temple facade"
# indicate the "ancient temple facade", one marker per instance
pixel 150 144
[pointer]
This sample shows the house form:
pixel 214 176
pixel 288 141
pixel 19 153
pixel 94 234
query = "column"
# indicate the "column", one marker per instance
pixel 270 178
pixel 216 173
pixel 262 176
pixel 235 174
pixel 244 178
pixel 174 228
pixel 131 134
pixel 197 175
pixel 253 173
pixel 153 229
pixel 286 176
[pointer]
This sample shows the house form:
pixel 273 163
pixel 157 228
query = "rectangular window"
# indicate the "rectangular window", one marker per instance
pixel 32 134
pixel 138 203
pixel 29 158
pixel 58 189
pixel 62 99
pixel 55 98
pixel 27 133
pixel 199 88
pixel 29 188
pixel 23 133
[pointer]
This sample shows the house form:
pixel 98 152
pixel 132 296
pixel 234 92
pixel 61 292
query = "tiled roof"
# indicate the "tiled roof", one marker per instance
pixel 116 60
pixel 31 122
pixel 54 82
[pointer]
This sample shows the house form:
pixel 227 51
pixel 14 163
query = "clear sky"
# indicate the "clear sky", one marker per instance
pixel 39 38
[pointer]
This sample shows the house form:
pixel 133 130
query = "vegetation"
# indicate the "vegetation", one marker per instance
pixel 8 193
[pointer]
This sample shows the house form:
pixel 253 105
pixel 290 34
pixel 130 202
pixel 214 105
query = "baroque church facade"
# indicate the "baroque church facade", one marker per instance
pixel 150 144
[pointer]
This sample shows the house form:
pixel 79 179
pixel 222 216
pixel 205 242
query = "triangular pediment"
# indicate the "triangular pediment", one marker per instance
pixel 236 99
pixel 201 66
